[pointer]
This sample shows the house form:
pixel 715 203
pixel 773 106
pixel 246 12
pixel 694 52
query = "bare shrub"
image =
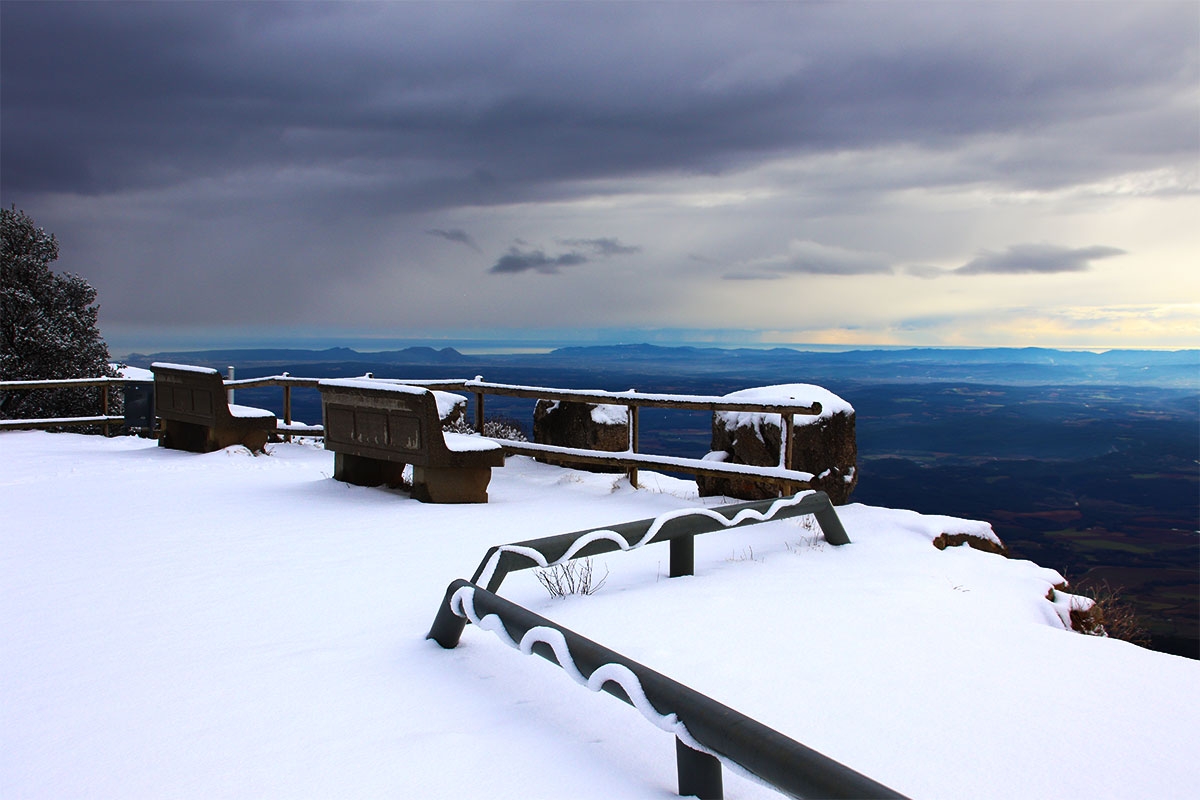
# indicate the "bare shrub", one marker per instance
pixel 498 428
pixel 571 577
pixel 1110 615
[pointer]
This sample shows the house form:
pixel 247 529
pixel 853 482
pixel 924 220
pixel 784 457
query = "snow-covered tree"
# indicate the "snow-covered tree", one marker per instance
pixel 47 325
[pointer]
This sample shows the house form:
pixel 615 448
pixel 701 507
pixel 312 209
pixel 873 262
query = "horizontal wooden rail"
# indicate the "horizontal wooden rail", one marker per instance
pixel 64 383
pixel 104 419
pixel 630 460
pixel 56 422
pixel 286 380
pixel 643 400
pixel 636 400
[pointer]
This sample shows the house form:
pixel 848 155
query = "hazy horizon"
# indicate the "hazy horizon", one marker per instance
pixel 528 346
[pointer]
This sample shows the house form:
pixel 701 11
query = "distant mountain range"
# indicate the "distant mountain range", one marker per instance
pixel 1003 366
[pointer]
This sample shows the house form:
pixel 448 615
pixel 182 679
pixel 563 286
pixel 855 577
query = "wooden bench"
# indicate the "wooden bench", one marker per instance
pixel 196 416
pixel 374 429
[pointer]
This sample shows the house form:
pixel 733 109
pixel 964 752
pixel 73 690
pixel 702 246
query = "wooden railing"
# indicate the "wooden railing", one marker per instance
pixel 630 460
pixel 104 419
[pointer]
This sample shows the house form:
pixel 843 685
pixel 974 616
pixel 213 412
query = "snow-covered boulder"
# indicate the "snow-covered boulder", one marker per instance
pixel 588 426
pixel 824 445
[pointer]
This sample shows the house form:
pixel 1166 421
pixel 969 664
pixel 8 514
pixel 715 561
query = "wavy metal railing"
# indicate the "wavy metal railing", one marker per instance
pixel 677 527
pixel 707 732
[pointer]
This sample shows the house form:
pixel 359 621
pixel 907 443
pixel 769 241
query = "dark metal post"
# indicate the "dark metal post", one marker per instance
pixel 831 524
pixel 479 413
pixel 699 773
pixel 447 628
pixel 104 405
pixel 683 556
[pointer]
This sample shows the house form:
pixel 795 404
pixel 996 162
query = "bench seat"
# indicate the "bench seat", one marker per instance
pixel 375 429
pixel 191 402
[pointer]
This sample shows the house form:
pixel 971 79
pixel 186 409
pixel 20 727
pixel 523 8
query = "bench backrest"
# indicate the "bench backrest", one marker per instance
pixel 392 422
pixel 189 394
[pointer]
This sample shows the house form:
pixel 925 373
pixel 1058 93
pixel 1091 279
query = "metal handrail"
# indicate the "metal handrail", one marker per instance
pixel 679 528
pixel 707 732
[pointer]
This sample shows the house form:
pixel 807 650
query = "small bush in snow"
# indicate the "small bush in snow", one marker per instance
pixel 499 428
pixel 571 577
pixel 1109 615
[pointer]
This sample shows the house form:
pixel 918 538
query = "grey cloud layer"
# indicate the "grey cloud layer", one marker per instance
pixel 1038 259
pixel 179 149
pixel 494 102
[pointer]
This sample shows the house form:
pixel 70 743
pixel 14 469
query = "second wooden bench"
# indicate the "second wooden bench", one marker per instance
pixel 375 429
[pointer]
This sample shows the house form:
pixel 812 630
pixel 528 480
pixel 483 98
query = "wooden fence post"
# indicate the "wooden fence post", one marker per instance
pixel 287 407
pixel 633 442
pixel 788 430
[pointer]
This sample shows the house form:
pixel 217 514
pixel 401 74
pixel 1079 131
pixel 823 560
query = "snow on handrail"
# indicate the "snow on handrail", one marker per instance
pixel 708 734
pixel 678 527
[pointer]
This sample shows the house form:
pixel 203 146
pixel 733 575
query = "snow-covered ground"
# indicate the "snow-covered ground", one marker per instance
pixel 226 625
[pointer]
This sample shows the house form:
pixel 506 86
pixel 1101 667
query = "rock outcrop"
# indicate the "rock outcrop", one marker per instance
pixel 824 445
pixel 589 426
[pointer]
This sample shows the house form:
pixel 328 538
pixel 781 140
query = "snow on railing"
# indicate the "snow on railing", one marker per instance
pixel 677 527
pixel 630 460
pixel 707 733
pixel 103 419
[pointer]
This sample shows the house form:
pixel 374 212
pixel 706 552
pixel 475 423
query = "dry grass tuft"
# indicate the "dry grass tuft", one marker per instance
pixel 571 577
pixel 1099 610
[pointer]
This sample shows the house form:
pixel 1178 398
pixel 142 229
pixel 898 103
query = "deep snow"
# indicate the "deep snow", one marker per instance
pixel 226 625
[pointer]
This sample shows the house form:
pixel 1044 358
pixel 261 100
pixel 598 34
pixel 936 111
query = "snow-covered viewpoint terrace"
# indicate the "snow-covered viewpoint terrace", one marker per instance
pixel 225 625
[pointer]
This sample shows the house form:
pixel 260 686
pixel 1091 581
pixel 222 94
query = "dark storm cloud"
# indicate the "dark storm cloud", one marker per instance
pixel 427 105
pixel 455 235
pixel 535 259
pixel 188 147
pixel 516 260
pixel 1037 259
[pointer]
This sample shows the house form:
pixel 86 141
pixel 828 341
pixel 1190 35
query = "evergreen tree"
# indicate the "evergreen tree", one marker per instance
pixel 47 325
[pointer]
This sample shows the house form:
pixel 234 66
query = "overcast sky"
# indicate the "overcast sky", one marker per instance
pixel 854 173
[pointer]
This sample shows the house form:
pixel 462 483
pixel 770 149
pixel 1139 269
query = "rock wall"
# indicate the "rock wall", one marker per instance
pixel 583 425
pixel 824 445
